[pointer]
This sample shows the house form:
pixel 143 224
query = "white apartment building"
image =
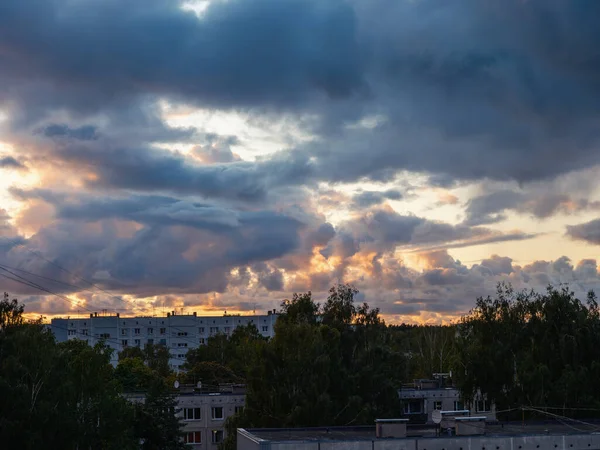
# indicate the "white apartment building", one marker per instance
pixel 178 333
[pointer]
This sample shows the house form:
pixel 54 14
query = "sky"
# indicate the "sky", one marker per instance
pixel 221 155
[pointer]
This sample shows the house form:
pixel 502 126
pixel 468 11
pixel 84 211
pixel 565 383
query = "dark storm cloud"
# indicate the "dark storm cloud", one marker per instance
pixel 153 211
pixel 492 208
pixel 366 199
pixel 240 54
pixel 466 89
pixel 385 230
pixel 84 133
pixel 588 232
pixel 153 169
pixel 9 162
pixel 181 247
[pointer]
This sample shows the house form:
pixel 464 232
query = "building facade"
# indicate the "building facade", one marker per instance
pixel 203 413
pixel 179 333
pixel 424 396
pixel 343 438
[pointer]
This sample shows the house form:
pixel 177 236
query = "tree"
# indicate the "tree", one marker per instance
pixel 326 367
pixel 531 349
pixel 156 423
pixel 11 313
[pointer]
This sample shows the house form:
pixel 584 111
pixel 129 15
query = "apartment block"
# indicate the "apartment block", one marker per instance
pixel 178 332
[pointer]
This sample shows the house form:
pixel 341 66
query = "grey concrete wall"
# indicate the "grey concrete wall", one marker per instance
pixel 538 442
pixel 245 441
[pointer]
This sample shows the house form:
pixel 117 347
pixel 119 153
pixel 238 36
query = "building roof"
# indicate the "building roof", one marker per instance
pixel 360 433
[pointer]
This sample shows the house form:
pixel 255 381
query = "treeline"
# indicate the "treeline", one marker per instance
pixel 68 396
pixel 329 364
pixel 339 364
pixel 335 363
pixel 538 350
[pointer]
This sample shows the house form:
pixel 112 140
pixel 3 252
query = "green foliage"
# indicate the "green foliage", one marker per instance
pixel 526 348
pixel 156 423
pixel 211 374
pixel 69 396
pixel 330 365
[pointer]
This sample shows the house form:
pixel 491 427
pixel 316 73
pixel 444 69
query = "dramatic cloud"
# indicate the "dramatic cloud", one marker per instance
pixel 9 162
pixel 448 89
pixel 588 232
pixel 270 146
pixel 366 199
pixel 492 208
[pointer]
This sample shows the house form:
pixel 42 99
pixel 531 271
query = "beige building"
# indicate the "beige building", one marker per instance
pixel 203 413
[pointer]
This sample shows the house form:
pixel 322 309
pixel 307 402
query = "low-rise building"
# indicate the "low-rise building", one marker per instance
pixel 424 396
pixel 178 332
pixel 203 412
pixel 492 437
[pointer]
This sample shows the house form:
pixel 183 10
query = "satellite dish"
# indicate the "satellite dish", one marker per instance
pixel 176 384
pixel 436 416
pixel 199 385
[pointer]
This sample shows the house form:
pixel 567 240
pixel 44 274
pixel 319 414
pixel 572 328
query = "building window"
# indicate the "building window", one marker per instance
pixel 459 405
pixel 163 330
pixel 104 336
pixel 136 331
pixel 265 329
pixel 150 341
pixel 182 344
pixel 227 330
pixel 193 437
pixel 239 409
pixel 84 332
pixel 217 412
pixel 217 436
pixel 412 407
pixel 163 342
pixel 201 330
pixel 182 333
pixel 214 330
pixel 124 331
pixel 150 330
pixel 191 414
pixel 481 406
pixel 201 340
pixel 72 332
pixel 84 324
pixel 437 405
pixel 124 342
pixel 137 342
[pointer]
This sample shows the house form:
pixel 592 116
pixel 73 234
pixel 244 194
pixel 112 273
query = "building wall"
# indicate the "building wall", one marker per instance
pixel 446 399
pixel 531 442
pixel 178 332
pixel 206 424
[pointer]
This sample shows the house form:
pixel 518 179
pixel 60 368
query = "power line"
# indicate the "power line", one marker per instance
pixel 29 283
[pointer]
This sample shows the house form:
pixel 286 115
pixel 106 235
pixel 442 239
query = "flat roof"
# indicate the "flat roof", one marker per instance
pixel 359 433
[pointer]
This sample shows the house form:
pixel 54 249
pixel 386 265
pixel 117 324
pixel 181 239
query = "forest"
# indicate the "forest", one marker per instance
pixel 335 363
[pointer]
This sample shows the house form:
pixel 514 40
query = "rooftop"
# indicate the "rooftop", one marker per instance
pixel 359 433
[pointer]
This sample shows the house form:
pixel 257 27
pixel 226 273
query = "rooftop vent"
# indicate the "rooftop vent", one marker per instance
pixel 390 428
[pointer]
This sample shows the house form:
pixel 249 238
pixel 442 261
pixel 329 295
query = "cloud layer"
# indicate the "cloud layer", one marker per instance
pixel 405 129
